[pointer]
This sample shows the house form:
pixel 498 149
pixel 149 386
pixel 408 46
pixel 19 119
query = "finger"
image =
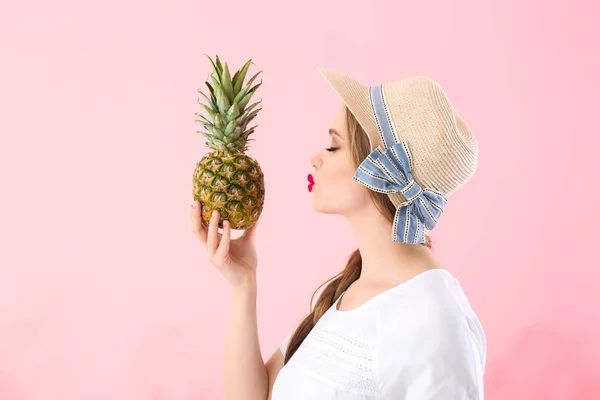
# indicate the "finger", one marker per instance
pixel 213 234
pixel 196 221
pixel 223 249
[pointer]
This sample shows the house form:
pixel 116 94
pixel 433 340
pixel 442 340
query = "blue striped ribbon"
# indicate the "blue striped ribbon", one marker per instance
pixel 389 171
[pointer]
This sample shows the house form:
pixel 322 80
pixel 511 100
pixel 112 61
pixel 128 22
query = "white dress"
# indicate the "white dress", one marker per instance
pixel 420 340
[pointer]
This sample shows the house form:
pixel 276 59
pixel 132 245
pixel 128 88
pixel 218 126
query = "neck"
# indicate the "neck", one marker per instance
pixel 385 262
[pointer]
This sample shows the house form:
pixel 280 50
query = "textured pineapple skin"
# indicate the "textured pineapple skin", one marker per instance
pixel 233 184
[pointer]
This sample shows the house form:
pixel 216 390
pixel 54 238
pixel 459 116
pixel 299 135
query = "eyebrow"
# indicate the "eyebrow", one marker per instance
pixel 334 132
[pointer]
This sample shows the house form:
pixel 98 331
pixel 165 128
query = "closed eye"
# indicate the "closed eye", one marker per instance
pixel 331 148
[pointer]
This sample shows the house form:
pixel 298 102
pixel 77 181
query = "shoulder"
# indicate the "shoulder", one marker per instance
pixel 428 339
pixel 431 300
pixel 430 314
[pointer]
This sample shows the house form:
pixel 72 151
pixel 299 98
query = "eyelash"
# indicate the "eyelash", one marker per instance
pixel 331 148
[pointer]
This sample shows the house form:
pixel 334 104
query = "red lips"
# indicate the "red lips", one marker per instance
pixel 311 182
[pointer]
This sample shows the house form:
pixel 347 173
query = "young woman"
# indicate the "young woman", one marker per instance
pixel 393 324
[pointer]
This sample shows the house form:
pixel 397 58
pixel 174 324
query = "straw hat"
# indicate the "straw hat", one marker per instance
pixel 421 149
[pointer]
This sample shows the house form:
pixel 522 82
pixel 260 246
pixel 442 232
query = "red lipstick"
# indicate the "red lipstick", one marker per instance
pixel 311 182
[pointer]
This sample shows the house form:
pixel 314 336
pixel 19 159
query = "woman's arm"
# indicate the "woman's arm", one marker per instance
pixel 245 374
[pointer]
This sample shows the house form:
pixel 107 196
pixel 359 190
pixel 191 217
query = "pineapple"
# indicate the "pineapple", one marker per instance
pixel 226 179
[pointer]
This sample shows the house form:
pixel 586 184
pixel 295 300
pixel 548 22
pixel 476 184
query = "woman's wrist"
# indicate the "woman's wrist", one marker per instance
pixel 244 290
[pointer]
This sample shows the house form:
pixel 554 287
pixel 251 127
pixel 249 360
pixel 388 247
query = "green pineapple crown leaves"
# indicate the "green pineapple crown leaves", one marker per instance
pixel 227 107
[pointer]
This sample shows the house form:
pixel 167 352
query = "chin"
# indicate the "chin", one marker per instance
pixel 317 207
pixel 325 208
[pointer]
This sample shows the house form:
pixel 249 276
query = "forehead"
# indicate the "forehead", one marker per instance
pixel 339 121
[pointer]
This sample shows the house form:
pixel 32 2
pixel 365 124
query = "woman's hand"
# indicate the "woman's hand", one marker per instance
pixel 235 259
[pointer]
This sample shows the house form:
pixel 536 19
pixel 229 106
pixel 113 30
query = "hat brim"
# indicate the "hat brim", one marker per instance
pixel 356 97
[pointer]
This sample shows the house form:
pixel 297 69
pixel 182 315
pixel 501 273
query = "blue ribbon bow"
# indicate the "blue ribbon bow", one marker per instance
pixel 389 171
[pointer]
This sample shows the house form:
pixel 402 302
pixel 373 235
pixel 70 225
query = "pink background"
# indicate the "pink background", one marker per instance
pixel 104 291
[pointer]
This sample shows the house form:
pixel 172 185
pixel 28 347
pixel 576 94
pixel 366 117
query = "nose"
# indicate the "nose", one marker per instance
pixel 315 161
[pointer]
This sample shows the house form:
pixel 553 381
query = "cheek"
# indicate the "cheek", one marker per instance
pixel 341 185
pixel 339 174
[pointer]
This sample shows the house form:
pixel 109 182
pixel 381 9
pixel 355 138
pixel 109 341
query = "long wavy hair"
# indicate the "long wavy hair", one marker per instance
pixel 360 149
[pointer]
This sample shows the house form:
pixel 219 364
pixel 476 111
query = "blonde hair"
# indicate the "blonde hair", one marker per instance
pixel 360 149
